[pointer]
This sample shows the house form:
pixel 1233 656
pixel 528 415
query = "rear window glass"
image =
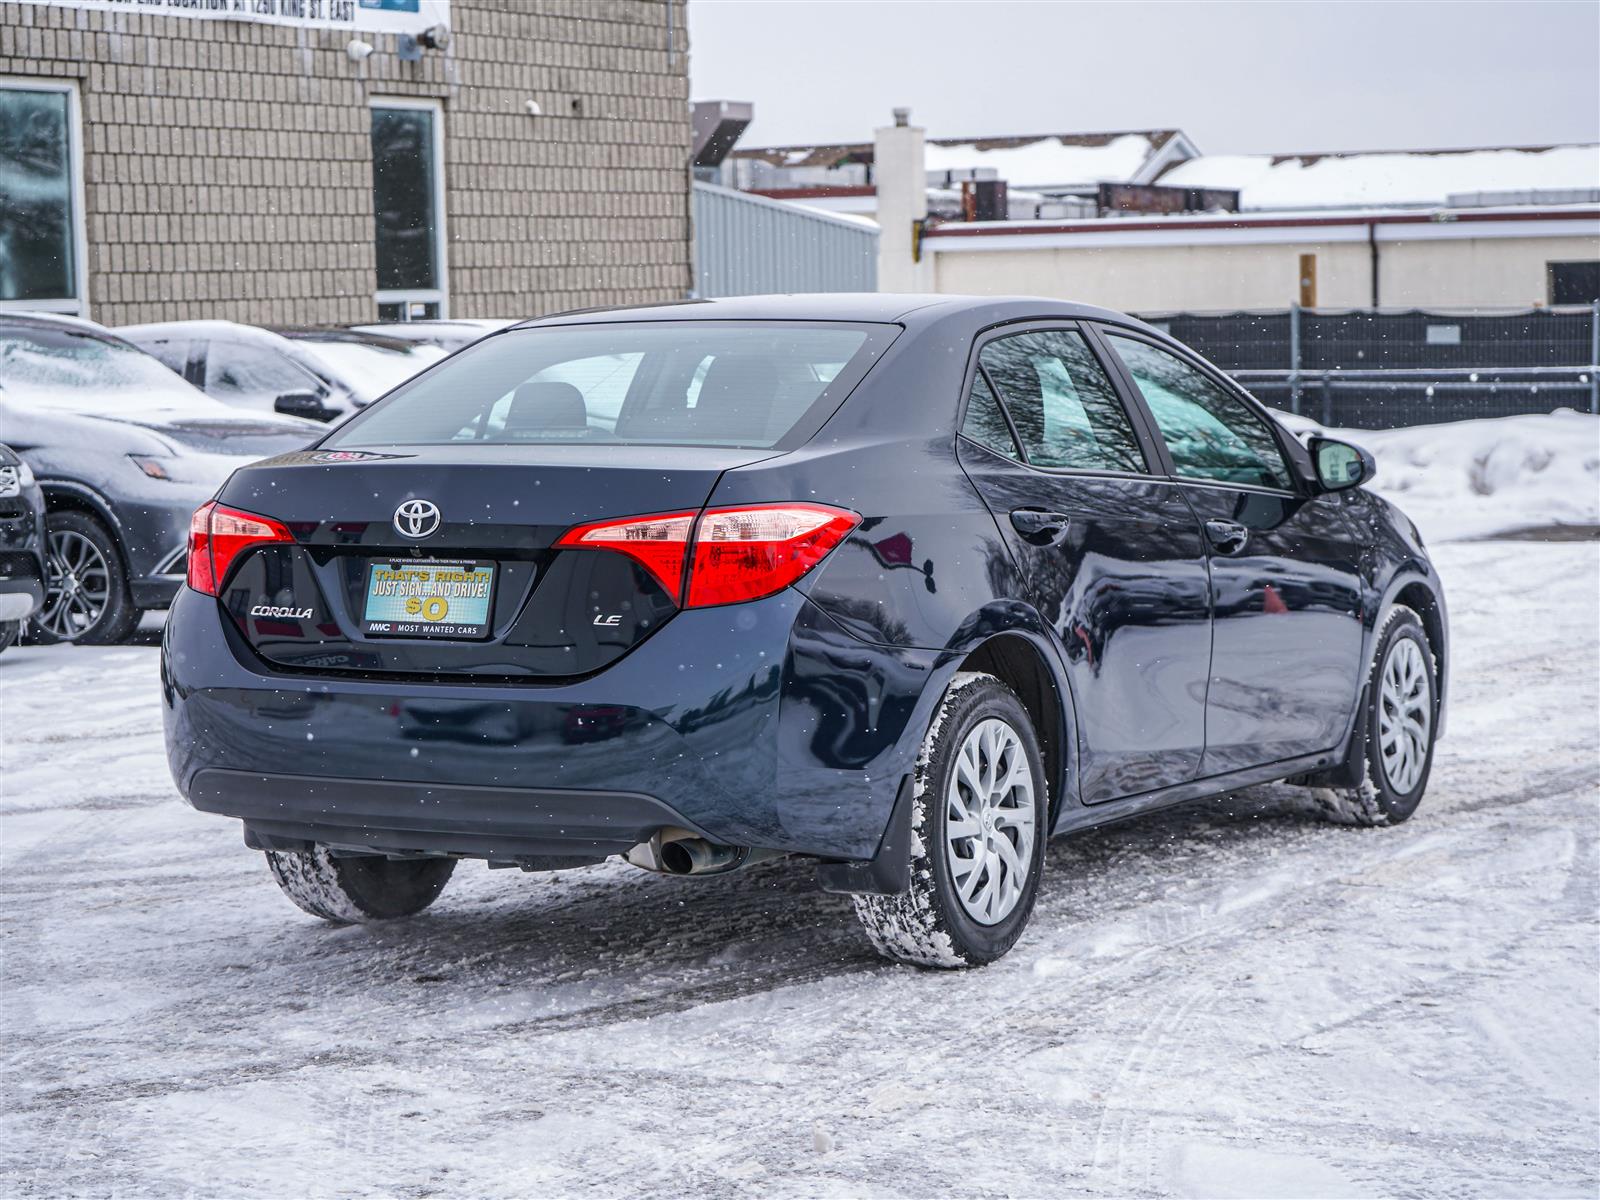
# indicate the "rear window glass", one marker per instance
pixel 50 364
pixel 702 383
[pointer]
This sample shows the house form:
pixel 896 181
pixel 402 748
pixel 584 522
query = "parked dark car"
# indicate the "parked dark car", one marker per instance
pixel 319 373
pixel 124 452
pixel 21 545
pixel 902 584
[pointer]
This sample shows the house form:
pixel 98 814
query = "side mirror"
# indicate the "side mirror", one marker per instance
pixel 1340 465
pixel 304 404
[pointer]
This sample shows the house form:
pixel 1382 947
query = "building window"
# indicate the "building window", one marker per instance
pixel 41 198
pixel 408 208
pixel 1575 282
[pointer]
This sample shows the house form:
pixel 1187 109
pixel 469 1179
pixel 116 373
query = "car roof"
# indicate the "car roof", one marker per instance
pixel 168 329
pixel 908 309
pixel 382 327
pixel 275 336
pixel 58 321
pixel 340 333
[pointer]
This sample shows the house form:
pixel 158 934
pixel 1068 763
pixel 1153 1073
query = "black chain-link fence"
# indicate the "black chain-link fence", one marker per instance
pixel 1379 369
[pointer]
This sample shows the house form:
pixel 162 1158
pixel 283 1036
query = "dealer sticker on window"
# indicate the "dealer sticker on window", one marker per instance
pixel 429 598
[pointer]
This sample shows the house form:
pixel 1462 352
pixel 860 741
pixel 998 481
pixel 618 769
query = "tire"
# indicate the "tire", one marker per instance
pixel 1396 729
pixel 86 587
pixel 354 889
pixel 979 728
pixel 9 630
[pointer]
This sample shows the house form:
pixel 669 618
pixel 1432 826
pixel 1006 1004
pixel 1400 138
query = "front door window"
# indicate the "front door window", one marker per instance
pixel 1210 432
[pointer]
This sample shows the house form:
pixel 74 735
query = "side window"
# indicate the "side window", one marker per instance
pixel 252 373
pixel 985 423
pixel 172 353
pixel 1061 402
pixel 1211 433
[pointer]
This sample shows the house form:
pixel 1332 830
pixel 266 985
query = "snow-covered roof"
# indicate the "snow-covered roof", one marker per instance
pixel 1388 178
pixel 1048 160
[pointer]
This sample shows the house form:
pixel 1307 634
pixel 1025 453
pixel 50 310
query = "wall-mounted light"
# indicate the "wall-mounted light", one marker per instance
pixel 533 108
pixel 358 50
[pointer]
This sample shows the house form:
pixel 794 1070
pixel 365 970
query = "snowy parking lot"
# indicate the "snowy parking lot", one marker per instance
pixel 1232 999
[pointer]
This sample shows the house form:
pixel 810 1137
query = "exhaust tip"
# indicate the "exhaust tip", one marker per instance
pixel 676 859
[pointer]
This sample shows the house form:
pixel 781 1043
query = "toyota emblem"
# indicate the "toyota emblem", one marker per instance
pixel 417 518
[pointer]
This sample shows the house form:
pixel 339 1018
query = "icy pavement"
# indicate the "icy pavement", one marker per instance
pixel 1228 1000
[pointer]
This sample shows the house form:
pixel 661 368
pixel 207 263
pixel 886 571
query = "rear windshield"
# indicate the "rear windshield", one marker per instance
pixel 671 383
pixel 65 365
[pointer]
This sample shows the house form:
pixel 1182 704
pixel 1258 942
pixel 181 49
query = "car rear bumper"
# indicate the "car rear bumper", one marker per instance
pixel 761 725
pixel 287 811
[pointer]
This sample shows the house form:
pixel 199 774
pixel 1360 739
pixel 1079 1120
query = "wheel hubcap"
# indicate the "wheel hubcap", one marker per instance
pixel 989 822
pixel 1405 715
pixel 78 586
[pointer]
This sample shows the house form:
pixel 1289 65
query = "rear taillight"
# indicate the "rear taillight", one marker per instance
pixel 218 535
pixel 748 553
pixel 657 543
pixel 741 553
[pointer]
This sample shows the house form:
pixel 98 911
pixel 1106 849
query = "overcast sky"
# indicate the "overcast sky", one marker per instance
pixel 1276 75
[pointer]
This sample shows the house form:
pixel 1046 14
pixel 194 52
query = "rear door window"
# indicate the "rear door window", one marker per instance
pixel 712 383
pixel 985 423
pixel 1061 402
pixel 172 353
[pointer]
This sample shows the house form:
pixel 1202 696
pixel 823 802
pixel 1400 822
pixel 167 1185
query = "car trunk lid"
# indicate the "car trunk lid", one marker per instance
pixel 376 529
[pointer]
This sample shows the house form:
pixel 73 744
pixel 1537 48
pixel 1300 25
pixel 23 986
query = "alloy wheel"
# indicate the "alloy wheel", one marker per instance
pixel 1405 715
pixel 78 585
pixel 989 822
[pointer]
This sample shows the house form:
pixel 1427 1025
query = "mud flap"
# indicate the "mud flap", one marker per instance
pixel 1351 768
pixel 886 873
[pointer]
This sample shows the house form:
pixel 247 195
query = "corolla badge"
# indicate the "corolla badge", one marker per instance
pixel 280 610
pixel 417 518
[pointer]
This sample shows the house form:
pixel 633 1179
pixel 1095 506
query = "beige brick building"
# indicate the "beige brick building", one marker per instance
pixel 163 167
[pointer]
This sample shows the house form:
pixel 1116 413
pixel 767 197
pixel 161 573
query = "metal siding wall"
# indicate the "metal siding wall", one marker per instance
pixel 750 246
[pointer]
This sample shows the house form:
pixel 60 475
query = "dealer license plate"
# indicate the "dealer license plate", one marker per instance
pixel 428 598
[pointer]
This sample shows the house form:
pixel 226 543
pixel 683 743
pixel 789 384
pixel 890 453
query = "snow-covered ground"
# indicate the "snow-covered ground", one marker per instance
pixel 1229 1000
pixel 1470 479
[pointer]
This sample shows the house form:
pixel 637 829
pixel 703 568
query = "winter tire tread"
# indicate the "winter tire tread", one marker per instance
pixel 921 925
pixel 1371 803
pixel 352 890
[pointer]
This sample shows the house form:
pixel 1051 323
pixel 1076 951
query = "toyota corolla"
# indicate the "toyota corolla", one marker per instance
pixel 902 585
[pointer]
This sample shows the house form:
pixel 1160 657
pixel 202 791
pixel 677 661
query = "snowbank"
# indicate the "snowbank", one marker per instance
pixel 1473 479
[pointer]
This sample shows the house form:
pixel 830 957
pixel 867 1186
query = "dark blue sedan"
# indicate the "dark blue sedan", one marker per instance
pixel 905 585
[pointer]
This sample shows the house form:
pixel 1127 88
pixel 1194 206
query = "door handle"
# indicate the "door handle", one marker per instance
pixel 1228 537
pixel 1036 523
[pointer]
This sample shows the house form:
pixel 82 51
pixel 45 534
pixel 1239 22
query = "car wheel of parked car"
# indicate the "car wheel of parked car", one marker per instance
pixel 86 597
pixel 978 834
pixel 8 634
pixel 1397 729
pixel 349 889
